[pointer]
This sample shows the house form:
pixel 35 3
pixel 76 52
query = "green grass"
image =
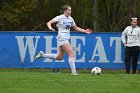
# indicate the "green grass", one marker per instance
pixel 44 81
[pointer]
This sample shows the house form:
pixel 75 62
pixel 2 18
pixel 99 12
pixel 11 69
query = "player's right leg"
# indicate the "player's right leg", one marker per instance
pixel 58 56
pixel 39 55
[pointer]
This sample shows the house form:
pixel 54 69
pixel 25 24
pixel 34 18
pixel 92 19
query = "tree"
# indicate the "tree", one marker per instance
pixel 100 15
pixel 95 15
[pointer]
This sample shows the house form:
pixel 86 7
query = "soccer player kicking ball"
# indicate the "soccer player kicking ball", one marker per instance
pixel 64 23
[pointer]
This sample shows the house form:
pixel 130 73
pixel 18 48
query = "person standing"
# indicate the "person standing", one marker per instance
pixel 131 41
pixel 64 23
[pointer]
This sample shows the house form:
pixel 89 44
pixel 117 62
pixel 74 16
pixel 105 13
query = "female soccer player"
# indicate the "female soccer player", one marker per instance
pixel 64 23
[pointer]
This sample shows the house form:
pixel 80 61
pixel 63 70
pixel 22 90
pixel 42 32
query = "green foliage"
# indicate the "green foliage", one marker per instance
pixel 26 15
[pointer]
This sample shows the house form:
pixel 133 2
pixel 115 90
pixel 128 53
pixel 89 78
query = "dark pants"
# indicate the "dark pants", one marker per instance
pixel 131 54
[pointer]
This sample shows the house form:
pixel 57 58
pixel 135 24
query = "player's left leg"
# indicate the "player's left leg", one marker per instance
pixel 67 47
pixel 135 55
pixel 127 59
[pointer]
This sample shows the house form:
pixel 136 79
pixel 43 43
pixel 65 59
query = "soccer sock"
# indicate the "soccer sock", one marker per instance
pixel 72 65
pixel 50 56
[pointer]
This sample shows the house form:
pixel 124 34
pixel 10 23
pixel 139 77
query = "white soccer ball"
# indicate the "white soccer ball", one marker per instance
pixel 96 71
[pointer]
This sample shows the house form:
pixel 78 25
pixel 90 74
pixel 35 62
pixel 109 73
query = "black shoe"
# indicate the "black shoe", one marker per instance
pixel 134 73
pixel 138 71
pixel 55 70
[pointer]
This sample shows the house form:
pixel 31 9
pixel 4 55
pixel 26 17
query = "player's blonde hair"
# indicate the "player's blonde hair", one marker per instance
pixel 64 8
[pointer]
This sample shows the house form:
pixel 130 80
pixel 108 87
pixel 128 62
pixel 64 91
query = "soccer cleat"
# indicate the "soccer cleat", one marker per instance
pixel 74 74
pixel 39 55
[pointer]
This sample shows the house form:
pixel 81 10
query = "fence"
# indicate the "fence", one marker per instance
pixel 18 49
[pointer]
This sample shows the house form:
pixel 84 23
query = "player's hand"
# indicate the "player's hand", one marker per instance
pixel 88 31
pixel 52 29
pixel 125 45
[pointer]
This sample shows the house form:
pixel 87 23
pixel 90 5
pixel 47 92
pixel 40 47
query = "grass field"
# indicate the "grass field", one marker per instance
pixel 44 81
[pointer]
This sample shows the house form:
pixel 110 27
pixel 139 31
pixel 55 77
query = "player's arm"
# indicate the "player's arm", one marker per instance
pixel 139 37
pixel 87 31
pixel 123 37
pixel 49 24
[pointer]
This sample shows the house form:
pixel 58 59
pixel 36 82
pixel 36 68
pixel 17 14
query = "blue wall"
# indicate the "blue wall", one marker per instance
pixel 18 49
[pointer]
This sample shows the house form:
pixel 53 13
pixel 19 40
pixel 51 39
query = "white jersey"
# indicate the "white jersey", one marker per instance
pixel 64 24
pixel 131 36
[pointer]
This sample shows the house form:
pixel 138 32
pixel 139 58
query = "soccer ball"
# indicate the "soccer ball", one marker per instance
pixel 96 71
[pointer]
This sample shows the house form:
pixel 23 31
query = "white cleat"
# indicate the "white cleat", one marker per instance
pixel 39 55
pixel 74 74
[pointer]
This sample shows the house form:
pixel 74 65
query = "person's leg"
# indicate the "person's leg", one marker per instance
pixel 127 60
pixel 135 54
pixel 50 56
pixel 58 56
pixel 71 59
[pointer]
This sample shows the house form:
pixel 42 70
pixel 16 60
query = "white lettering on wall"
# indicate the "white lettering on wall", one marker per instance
pixel 28 44
pixel 117 50
pixel 77 50
pixel 99 51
